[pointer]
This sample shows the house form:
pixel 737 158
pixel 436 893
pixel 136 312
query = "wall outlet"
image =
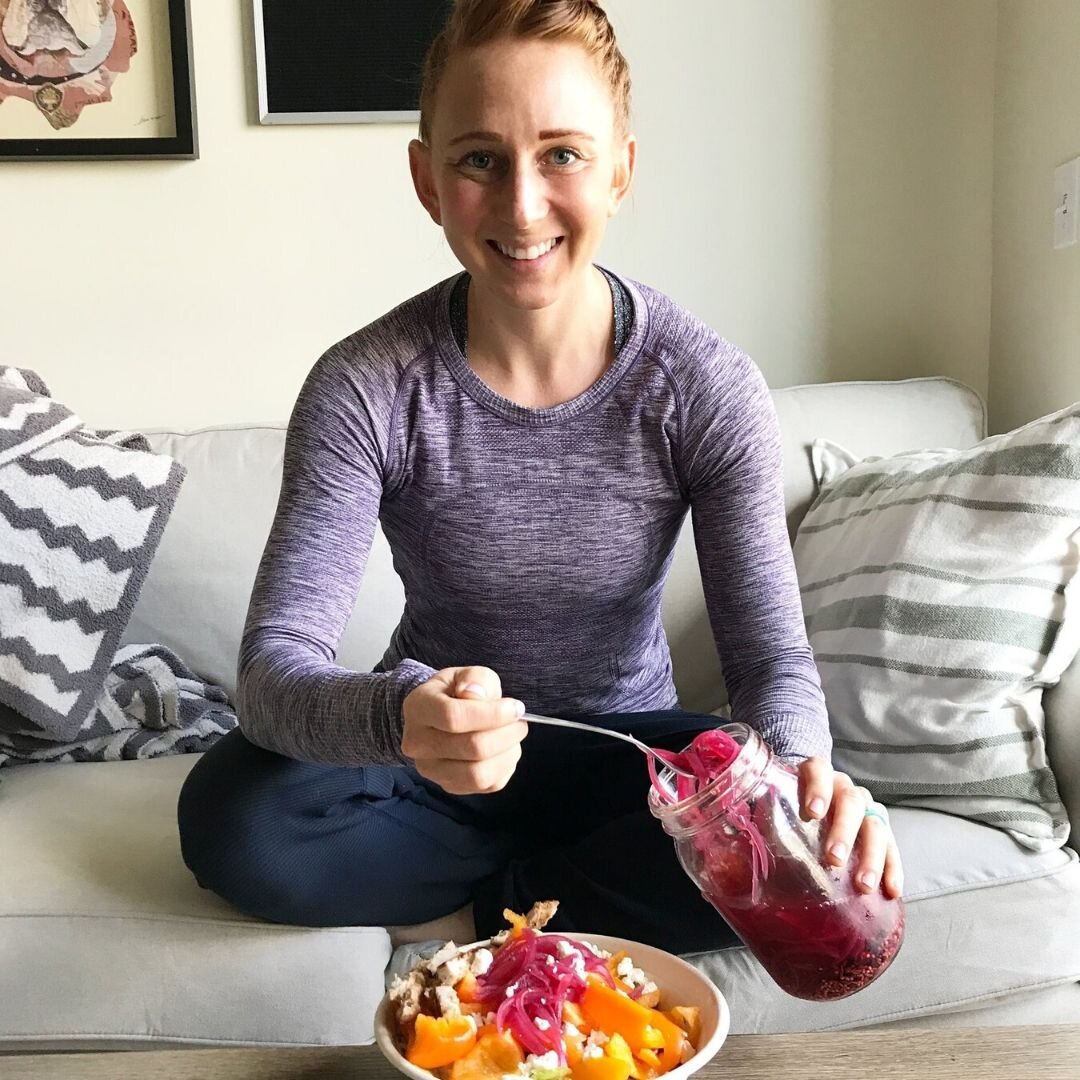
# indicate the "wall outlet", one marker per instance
pixel 1066 203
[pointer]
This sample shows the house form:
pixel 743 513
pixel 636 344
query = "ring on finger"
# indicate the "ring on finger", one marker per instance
pixel 878 810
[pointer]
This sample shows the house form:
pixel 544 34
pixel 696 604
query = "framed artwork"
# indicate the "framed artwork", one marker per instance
pixel 343 61
pixel 96 79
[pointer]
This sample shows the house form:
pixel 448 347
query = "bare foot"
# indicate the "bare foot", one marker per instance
pixel 458 927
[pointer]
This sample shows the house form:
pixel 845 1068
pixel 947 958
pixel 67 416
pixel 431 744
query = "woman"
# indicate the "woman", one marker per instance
pixel 531 434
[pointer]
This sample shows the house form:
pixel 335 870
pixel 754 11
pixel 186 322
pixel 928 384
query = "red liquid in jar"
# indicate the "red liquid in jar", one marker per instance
pixel 821 952
pixel 817 935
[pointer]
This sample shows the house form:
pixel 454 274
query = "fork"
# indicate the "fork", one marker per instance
pixel 660 756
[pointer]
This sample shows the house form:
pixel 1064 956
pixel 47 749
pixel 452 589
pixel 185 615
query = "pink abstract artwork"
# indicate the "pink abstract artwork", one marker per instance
pixel 63 55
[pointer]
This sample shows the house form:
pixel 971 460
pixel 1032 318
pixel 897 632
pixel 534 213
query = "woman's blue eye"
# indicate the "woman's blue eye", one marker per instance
pixel 478 159
pixel 564 156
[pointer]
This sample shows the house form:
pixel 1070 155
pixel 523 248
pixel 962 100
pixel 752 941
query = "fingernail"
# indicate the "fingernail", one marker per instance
pixel 869 879
pixel 519 708
pixel 472 688
pixel 838 851
pixel 817 806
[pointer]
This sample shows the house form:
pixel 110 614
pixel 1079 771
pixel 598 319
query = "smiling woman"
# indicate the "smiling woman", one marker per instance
pixel 530 434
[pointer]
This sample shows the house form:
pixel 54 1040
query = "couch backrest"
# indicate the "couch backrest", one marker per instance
pixel 195 597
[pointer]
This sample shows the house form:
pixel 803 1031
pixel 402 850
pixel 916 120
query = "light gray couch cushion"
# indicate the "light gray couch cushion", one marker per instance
pixel 107 940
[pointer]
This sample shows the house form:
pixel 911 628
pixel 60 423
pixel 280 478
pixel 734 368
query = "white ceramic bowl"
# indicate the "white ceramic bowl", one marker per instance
pixel 679 983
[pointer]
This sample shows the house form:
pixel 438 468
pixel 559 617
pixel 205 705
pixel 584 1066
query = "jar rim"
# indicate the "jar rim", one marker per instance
pixel 733 782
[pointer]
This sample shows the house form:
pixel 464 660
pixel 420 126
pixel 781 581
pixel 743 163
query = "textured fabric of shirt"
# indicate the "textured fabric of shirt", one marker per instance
pixel 534 541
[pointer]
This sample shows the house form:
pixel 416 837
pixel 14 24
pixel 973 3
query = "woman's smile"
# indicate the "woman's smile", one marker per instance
pixel 527 258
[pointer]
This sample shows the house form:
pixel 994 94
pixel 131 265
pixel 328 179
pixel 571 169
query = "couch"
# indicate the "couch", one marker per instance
pixel 106 941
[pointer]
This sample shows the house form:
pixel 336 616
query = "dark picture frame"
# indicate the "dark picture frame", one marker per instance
pixel 181 146
pixel 343 61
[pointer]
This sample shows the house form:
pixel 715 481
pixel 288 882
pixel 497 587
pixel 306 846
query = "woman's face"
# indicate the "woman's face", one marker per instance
pixel 524 168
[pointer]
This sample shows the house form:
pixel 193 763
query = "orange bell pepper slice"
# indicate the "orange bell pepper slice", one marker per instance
pixel 641 1027
pixel 438 1041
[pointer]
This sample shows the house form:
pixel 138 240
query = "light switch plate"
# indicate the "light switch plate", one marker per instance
pixel 1066 203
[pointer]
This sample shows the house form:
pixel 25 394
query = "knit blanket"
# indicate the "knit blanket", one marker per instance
pixel 81 515
pixel 152 704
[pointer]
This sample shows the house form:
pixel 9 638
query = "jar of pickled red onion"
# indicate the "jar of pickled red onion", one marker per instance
pixel 740 838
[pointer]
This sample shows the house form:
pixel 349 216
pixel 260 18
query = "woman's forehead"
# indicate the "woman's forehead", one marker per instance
pixel 526 86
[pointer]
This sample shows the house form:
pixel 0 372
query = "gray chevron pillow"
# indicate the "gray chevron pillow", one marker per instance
pixel 81 516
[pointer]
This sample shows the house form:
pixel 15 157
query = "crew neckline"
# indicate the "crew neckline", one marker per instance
pixel 495 402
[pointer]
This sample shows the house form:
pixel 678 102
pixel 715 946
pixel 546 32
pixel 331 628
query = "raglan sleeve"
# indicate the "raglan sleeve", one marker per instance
pixel 292 697
pixel 732 467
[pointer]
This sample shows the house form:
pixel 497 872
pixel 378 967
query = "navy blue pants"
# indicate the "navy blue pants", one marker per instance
pixel 318 845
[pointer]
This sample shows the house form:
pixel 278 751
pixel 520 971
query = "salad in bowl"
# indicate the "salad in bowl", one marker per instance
pixel 546 1006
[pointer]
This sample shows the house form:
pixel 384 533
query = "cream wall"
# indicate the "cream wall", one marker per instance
pixel 911 203
pixel 814 182
pixel 1035 355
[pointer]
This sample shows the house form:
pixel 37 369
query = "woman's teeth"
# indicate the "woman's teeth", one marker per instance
pixel 527 253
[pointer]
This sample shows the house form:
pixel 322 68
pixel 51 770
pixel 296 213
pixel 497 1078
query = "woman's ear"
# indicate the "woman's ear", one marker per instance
pixel 424 179
pixel 623 174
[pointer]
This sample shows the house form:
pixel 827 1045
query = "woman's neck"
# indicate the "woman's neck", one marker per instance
pixel 541 358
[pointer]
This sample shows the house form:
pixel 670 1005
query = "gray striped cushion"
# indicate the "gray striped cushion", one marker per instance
pixel 940 590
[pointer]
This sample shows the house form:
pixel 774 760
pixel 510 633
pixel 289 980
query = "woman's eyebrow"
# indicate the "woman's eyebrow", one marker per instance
pixel 545 136
pixel 565 133
pixel 475 136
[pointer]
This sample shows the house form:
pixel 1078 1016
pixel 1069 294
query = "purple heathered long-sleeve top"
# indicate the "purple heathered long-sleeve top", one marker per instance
pixel 535 542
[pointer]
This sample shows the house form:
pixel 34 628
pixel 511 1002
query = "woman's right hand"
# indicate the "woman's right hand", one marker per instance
pixel 461 732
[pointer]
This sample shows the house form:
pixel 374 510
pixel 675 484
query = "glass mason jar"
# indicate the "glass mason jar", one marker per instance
pixel 742 842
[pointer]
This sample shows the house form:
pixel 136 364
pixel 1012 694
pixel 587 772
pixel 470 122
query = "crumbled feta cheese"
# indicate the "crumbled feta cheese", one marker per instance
pixel 596 1038
pixel 650 987
pixel 566 949
pixel 481 961
pixel 632 976
pixel 541 1023
pixel 549 960
pixel 453 971
pixel 550 1060
pixel 592 1052
pixel 511 990
pixel 571 1031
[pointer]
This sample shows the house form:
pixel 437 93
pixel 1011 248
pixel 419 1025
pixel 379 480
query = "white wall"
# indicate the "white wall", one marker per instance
pixel 1035 366
pixel 814 182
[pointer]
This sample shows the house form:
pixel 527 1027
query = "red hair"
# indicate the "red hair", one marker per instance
pixel 476 22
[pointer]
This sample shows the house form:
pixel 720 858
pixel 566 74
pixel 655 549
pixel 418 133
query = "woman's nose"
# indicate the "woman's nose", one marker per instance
pixel 526 196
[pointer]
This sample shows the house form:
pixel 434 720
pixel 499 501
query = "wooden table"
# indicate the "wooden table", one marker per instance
pixel 1016 1053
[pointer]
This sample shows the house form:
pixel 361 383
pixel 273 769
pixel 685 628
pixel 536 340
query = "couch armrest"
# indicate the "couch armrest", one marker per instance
pixel 1062 703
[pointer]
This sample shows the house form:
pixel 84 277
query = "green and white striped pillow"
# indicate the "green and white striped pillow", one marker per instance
pixel 940 590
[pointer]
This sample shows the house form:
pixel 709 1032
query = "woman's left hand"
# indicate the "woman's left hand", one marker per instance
pixel 820 787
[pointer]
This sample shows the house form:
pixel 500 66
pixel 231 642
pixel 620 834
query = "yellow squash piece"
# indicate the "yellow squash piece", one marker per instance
pixel 601 1068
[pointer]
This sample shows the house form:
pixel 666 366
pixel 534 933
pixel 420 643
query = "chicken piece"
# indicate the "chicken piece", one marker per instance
pixel 541 913
pixel 406 994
